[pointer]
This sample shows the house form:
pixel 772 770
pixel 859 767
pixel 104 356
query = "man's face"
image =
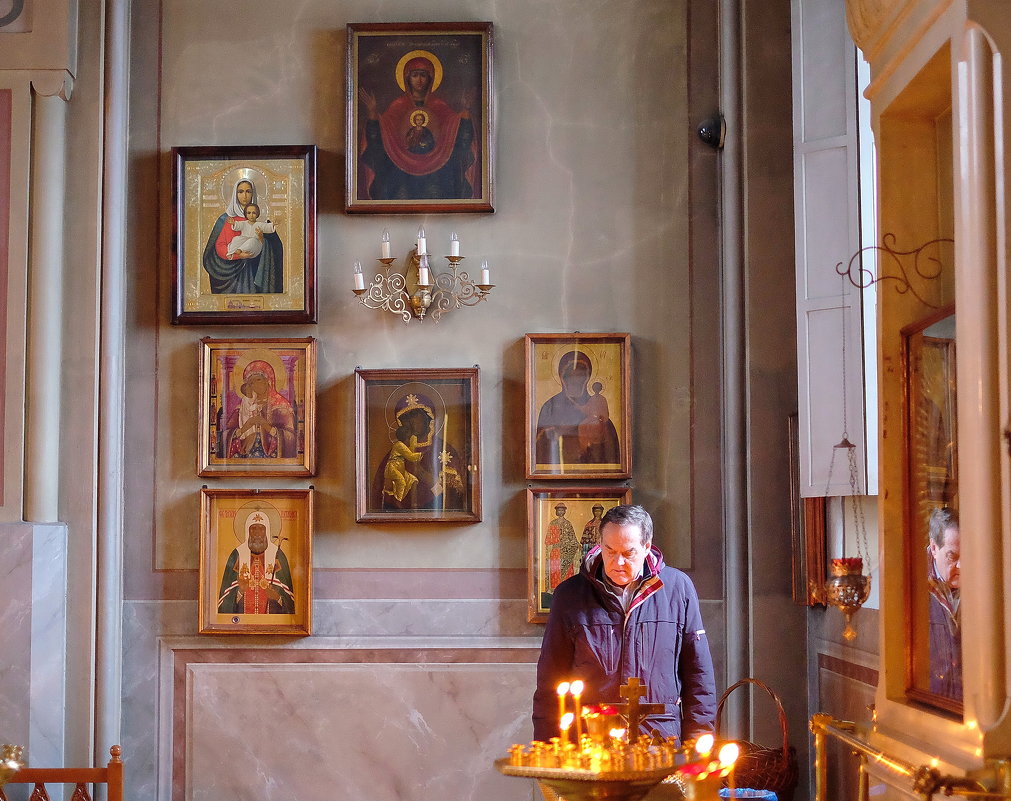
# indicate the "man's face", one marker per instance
pixel 623 552
pixel 257 538
pixel 947 557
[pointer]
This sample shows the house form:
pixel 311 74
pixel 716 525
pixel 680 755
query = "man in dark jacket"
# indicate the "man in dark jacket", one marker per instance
pixel 627 614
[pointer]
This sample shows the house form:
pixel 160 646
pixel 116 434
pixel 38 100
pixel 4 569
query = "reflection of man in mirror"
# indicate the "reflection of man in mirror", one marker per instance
pixel 944 579
pixel 256 579
pixel 573 426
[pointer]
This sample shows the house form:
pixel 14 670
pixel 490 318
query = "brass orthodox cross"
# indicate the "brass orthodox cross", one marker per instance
pixel 632 709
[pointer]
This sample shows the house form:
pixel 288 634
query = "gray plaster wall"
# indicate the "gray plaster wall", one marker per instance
pixel 606 220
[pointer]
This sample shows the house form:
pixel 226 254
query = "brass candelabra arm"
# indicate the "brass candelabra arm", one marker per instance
pixel 454 289
pixel 925 781
pixel 388 291
pixel 12 759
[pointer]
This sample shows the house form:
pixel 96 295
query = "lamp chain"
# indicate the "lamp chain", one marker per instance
pixel 863 549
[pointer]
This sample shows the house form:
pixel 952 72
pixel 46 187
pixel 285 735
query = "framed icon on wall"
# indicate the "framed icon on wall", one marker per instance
pixel 563 525
pixel 578 422
pixel 419 117
pixel 417 445
pixel 244 234
pixel 257 407
pixel 256 561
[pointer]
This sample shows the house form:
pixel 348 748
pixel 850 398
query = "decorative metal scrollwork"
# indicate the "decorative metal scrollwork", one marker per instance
pixel 906 267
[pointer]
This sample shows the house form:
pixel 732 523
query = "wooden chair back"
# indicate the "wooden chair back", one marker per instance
pixel 111 776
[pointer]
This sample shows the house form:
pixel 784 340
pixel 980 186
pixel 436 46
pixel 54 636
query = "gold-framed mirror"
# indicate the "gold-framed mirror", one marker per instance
pixel 932 537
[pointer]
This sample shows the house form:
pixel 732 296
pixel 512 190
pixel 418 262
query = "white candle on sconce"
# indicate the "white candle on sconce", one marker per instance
pixel 423 270
pixel 485 272
pixel 384 246
pixel 421 241
pixel 359 278
pixel 454 244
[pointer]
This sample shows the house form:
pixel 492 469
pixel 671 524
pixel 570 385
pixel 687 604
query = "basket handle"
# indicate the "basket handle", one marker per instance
pixel 779 708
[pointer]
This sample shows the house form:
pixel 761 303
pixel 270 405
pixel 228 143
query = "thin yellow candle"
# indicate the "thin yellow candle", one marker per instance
pixel 576 688
pixel 562 690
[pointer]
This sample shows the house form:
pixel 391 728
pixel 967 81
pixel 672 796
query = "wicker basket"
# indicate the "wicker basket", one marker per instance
pixel 762 768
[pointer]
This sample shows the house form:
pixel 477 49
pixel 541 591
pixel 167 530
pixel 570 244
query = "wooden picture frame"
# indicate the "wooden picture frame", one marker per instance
pixel 417 445
pixel 934 661
pixel 231 268
pixel 245 592
pixel 426 146
pixel 257 407
pixel 578 420
pixel 558 522
pixel 807 531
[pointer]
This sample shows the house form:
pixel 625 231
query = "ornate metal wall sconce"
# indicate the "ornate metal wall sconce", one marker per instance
pixel 417 290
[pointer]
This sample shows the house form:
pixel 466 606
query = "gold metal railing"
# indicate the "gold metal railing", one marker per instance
pixel 925 781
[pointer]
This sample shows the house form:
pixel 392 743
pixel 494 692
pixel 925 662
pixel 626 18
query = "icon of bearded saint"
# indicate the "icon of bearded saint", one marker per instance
pixel 256 579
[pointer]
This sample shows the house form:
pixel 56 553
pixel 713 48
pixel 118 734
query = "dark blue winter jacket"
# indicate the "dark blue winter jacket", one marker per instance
pixel 661 640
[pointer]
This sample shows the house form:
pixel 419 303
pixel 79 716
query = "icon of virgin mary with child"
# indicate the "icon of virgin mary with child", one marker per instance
pixel 256 266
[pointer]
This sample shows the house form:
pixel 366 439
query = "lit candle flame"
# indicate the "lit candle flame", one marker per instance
pixel 704 745
pixel 576 688
pixel 729 754
pixel 567 719
pixel 617 734
pixel 562 691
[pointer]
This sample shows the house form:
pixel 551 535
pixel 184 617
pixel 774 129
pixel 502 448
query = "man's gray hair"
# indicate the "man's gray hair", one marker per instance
pixel 629 515
pixel 941 519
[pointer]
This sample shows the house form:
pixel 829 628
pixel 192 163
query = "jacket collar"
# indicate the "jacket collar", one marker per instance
pixel 593 569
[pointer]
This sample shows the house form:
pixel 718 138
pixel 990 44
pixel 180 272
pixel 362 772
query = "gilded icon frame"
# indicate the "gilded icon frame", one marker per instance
pixel 461 100
pixel 215 281
pixel 231 439
pixel 585 434
pixel 542 511
pixel 284 590
pixel 406 467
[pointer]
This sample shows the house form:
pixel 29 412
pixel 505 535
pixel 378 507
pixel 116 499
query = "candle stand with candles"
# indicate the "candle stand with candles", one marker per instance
pixel 418 291
pixel 609 760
